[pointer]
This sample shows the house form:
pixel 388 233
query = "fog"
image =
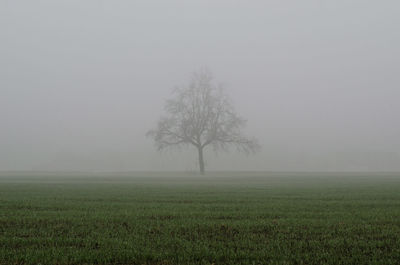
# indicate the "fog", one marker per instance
pixel 81 82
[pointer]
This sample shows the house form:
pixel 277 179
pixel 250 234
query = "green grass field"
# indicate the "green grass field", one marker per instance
pixel 246 218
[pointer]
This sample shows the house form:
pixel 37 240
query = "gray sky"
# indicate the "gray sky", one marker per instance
pixel 82 81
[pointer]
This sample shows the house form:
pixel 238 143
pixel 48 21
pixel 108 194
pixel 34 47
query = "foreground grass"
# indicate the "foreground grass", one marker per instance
pixel 222 219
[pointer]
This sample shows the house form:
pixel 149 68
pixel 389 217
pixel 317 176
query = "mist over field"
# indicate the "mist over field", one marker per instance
pixel 81 82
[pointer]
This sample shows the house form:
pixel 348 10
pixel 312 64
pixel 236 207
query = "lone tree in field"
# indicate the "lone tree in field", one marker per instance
pixel 201 115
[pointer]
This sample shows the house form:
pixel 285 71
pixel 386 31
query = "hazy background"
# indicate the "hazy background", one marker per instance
pixel 82 81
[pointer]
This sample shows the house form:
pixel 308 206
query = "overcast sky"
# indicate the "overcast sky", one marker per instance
pixel 82 81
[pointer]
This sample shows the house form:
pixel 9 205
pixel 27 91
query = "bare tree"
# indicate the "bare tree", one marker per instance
pixel 201 115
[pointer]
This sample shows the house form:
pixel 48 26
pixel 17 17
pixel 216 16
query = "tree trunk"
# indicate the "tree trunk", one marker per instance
pixel 201 161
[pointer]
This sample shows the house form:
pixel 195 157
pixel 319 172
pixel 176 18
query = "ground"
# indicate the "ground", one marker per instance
pixel 221 218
